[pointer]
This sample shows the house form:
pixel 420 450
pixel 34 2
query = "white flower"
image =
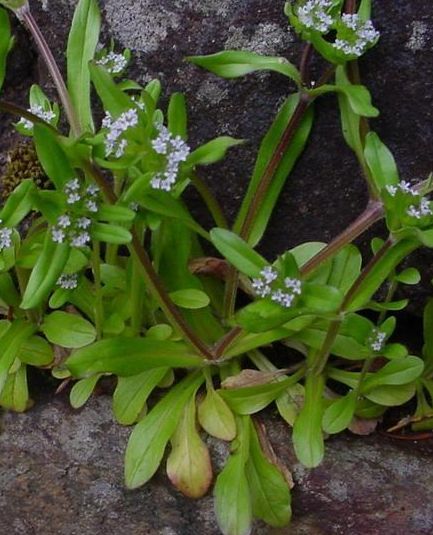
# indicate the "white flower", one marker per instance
pixel 37 110
pixel 64 221
pixel 73 197
pixel 406 187
pixel 424 207
pixel 114 63
pixel 91 206
pixel 5 237
pixel 392 190
pixel 68 282
pixel 176 151
pixel 116 129
pixel 269 274
pixel 294 285
pixel 376 340
pixel 80 240
pixel 314 15
pixel 72 185
pixel 261 288
pixel 364 34
pixel 93 189
pixel 58 235
pixel 83 222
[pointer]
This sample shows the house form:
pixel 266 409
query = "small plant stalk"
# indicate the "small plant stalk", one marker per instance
pixel 25 16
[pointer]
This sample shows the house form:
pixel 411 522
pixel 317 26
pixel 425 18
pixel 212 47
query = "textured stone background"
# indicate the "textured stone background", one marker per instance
pixel 60 471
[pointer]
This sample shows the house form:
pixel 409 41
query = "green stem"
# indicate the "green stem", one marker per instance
pixel 210 201
pixel 98 305
pixel 137 293
pixel 26 17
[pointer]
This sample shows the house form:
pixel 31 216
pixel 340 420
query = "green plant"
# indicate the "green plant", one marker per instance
pixel 111 268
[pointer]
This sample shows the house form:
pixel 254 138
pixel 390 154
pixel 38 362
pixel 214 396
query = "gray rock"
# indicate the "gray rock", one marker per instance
pixel 61 474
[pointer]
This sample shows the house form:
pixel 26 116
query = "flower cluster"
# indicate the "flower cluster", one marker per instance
pixel 116 129
pixel 175 150
pixel 267 285
pixel 45 115
pixel 314 15
pixel 68 281
pixel 376 340
pixel 5 237
pixel 404 187
pixel 114 63
pixel 358 35
pixel 418 210
pixel 73 226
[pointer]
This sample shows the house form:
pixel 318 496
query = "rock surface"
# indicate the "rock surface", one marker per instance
pixel 61 474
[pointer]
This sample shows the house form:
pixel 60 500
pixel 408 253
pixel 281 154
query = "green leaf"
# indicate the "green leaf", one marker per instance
pixel 252 399
pixel 115 213
pixel 18 204
pixel 8 292
pixel 378 274
pixel 6 42
pixel 380 161
pixel 350 121
pixel 307 432
pixel 339 414
pixel 234 63
pixel 177 116
pixel 215 416
pixel 68 330
pixel 82 390
pixel 11 340
pixel 270 493
pixel 190 298
pixel 129 356
pixel 36 351
pixel 241 255
pixel 392 395
pixel 107 233
pixel 188 465
pixel 15 394
pixel 395 372
pixel 82 41
pixel 132 392
pixel 114 100
pixel 268 149
pixel 213 151
pixel 408 276
pixel 51 156
pixel 233 506
pixel 162 203
pixel 47 270
pixel 346 267
pixel 358 97
pixel 149 438
pixel 264 315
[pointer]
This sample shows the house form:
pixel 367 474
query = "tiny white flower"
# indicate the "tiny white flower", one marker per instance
pixel 5 237
pixel 80 240
pixel 72 185
pixel 73 197
pixel 91 206
pixel 37 110
pixel 64 221
pixel 114 63
pixel 412 211
pixel 68 282
pixel 392 190
pixel 58 235
pixel 93 189
pixel 424 207
pixel 269 274
pixel 83 222
pixel 377 340
pixel 293 284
